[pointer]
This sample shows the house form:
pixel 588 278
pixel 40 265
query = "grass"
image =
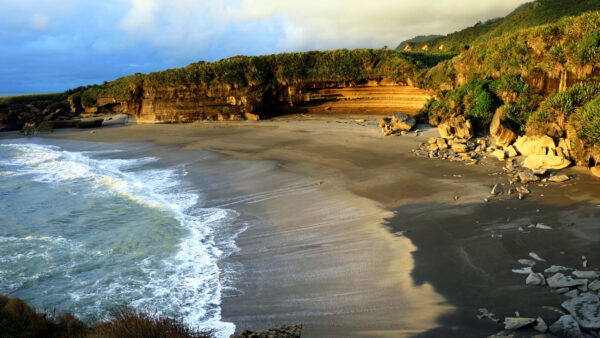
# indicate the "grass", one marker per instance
pixel 262 73
pixel 17 319
pixel 530 14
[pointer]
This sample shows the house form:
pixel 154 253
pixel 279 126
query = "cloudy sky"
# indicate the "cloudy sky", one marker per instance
pixel 53 45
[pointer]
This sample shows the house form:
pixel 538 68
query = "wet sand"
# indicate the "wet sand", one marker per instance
pixel 365 239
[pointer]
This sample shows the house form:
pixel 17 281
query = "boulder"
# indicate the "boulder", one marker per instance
pixel 534 145
pixel 546 162
pixel 585 308
pixel 535 279
pixel 566 327
pixel 384 121
pixel 572 294
pixel 403 121
pixel 528 262
pixel 500 154
pixel 456 127
pixel 594 286
pixel 501 131
pixel 561 281
pixel 441 143
pixel 511 152
pixel 515 323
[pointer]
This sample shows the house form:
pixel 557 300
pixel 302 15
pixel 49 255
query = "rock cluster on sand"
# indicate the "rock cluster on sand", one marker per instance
pixel 400 122
pixel 285 331
pixel 581 317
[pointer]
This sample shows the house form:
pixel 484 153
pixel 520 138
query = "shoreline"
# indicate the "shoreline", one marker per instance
pixel 352 162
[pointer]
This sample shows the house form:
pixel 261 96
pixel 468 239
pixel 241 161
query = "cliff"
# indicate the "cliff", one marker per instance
pixel 182 103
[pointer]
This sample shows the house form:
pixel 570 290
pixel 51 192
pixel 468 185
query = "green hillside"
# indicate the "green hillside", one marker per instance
pixel 420 38
pixel 527 15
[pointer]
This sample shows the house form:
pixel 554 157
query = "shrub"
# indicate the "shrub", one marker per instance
pixel 587 122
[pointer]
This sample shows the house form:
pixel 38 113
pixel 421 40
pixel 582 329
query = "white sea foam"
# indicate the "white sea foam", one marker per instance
pixel 191 278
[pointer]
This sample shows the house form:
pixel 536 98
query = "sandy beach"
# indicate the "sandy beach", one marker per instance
pixel 363 238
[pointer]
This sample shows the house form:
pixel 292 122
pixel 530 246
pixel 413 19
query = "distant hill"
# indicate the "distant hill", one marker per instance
pixel 420 38
pixel 531 14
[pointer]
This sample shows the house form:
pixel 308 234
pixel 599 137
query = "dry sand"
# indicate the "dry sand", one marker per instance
pixel 364 238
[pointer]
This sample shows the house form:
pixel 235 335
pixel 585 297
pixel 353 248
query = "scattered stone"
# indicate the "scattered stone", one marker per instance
pixel 536 257
pixel 496 190
pixel 546 162
pixel 384 121
pixel 585 308
pixel 540 172
pixel 567 327
pixel 562 291
pixel 441 143
pixel 515 323
pixel 535 279
pixel 543 226
pixel 362 121
pixel 559 280
pixel 528 262
pixel 528 177
pixel 586 274
pixel 459 147
pixel 502 334
pixel 403 122
pixel 558 178
pixel 594 286
pixel 523 271
pixel 540 325
pixel 556 268
pixel 485 313
pixel 523 190
pixel 572 294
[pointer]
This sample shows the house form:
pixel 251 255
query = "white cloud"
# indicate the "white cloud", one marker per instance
pixel 38 22
pixel 139 20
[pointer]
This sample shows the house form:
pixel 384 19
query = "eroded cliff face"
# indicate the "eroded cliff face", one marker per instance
pixel 195 103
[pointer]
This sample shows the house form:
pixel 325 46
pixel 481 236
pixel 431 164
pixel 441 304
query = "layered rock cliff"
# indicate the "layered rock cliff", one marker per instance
pixel 179 104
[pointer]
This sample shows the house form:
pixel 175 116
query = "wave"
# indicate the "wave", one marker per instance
pixel 188 282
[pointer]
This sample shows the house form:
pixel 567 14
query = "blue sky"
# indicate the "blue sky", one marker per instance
pixel 54 45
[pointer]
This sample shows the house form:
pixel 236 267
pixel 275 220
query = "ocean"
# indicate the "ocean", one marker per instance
pixel 87 227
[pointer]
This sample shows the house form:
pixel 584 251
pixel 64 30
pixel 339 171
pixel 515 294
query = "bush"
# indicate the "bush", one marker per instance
pixel 587 122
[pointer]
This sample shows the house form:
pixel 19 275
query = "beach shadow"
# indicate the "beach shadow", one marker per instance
pixel 467 253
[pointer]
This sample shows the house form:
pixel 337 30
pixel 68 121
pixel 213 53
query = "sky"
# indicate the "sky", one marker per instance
pixel 54 45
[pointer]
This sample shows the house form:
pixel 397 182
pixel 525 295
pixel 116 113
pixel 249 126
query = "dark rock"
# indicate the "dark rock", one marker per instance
pixel 566 327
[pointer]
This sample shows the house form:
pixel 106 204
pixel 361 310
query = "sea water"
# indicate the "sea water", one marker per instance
pixel 87 231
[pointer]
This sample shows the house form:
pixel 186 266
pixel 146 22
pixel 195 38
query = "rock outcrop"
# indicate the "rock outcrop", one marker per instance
pixel 501 131
pixel 456 127
pixel 285 331
pixel 194 102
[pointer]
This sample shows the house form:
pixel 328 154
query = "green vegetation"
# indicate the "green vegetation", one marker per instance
pixel 260 72
pixel 40 101
pixel 420 38
pixel 531 14
pixel 476 100
pixel 587 123
pixel 17 319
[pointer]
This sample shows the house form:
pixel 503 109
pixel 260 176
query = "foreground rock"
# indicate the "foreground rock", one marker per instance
pixel 566 327
pixel 546 162
pixel 535 145
pixel 285 331
pixel 501 131
pixel 561 281
pixel 515 323
pixel 595 171
pixel 585 308
pixel 456 127
pixel 403 122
